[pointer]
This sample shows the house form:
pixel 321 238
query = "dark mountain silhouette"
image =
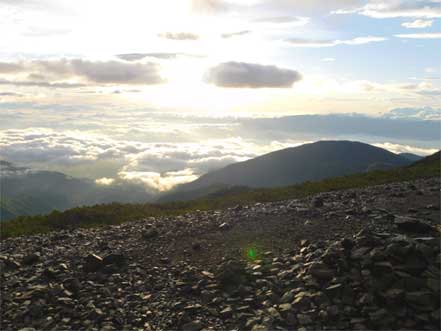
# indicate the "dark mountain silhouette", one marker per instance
pixel 436 157
pixel 309 162
pixel 411 157
pixel 26 192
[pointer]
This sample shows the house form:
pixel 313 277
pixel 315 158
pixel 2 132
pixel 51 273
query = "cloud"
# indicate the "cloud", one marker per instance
pixel 7 68
pixel 399 148
pixel 159 181
pixel 10 94
pixel 425 113
pixel 159 55
pixel 397 8
pixel 328 59
pixel 159 166
pixel 161 150
pixel 428 35
pixel 251 75
pixel 291 20
pixel 235 34
pixel 41 84
pixel 105 181
pixel 118 72
pixel 417 24
pixel 209 6
pixel 179 36
pixel 318 43
pixel 55 73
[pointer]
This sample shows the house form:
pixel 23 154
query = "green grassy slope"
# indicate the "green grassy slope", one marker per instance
pixel 116 213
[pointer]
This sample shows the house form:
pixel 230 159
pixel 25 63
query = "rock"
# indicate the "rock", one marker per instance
pixel 420 300
pixel 150 233
pixel 10 264
pixel 225 226
pixel 115 259
pixel 226 312
pixel 409 224
pixel 317 202
pixel 304 319
pixel 72 284
pixel 31 259
pixel 231 274
pixel 92 263
pixel 321 271
pixel 287 297
pixel 260 327
pixel 192 326
pixel 285 307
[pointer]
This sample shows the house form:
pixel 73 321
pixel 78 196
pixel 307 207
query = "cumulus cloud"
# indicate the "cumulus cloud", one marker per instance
pixel 179 35
pixel 417 24
pixel 118 72
pixel 235 34
pixel 317 43
pixel 398 8
pixel 428 35
pixel 251 75
pixel 55 73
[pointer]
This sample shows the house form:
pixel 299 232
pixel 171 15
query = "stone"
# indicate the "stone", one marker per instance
pixel 420 300
pixel 192 326
pixel 260 327
pixel 287 297
pixel 226 312
pixel 409 224
pixel 321 271
pixel 231 274
pixel 92 263
pixel 225 226
pixel 31 259
pixel 150 233
pixel 304 319
pixel 115 259
pixel 317 202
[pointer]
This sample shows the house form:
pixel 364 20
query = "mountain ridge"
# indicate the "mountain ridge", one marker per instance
pixel 314 161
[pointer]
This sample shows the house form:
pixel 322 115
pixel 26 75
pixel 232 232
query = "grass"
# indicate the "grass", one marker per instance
pixel 117 213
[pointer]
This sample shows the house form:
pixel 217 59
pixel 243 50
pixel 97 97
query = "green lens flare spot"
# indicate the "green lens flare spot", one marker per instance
pixel 252 253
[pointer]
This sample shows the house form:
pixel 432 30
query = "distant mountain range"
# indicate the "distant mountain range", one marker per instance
pixel 309 162
pixel 27 192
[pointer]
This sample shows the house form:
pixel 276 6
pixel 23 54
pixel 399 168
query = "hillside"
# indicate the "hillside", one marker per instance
pixel 117 213
pixel 359 259
pixel 411 157
pixel 27 193
pixel 309 162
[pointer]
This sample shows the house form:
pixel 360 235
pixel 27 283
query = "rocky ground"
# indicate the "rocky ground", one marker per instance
pixel 358 259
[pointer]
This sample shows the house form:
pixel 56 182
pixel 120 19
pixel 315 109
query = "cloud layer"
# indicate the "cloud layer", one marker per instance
pixel 71 73
pixel 251 75
pixel 317 43
pixel 398 8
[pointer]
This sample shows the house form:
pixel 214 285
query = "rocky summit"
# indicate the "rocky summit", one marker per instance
pixel 360 259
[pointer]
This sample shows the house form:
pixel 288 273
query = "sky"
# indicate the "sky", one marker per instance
pixel 160 92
